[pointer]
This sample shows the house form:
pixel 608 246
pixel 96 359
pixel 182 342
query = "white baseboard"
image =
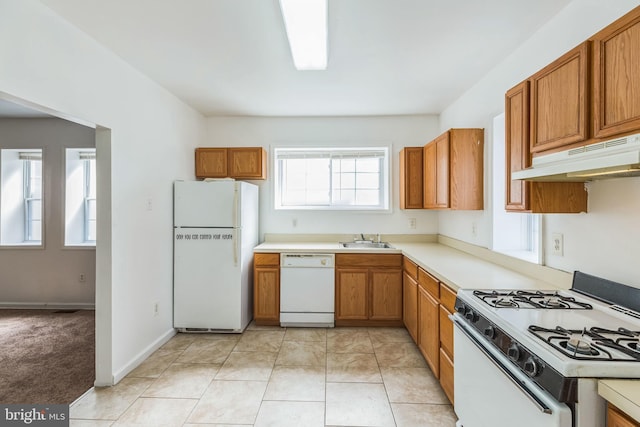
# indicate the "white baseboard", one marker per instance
pixel 137 360
pixel 48 305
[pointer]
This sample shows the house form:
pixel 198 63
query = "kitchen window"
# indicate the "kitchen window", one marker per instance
pixel 80 197
pixel 21 201
pixel 332 178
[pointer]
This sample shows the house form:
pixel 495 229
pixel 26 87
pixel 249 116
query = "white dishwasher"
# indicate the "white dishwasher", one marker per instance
pixel 307 290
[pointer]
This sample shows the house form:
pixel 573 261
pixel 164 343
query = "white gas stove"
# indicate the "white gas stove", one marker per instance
pixel 550 345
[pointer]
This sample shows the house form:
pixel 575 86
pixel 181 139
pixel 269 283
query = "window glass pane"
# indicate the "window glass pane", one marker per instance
pixel 332 177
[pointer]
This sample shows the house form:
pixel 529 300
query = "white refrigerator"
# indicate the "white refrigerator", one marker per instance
pixel 215 231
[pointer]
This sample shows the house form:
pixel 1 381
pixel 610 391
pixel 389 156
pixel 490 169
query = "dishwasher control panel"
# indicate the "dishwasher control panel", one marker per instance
pixel 302 260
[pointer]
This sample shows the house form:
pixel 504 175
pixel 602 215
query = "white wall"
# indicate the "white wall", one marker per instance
pixel 47 61
pixel 601 242
pixel 49 274
pixel 397 131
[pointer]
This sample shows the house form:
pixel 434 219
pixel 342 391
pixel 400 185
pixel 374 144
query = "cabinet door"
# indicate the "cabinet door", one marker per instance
pixel 386 294
pixel 266 295
pixel 446 332
pixel 517 146
pixel 465 162
pixel 446 375
pixel 352 293
pixel 410 305
pixel 436 173
pixel 560 101
pixel 616 79
pixel 211 163
pixel 616 418
pixel 428 329
pixel 247 163
pixel 411 178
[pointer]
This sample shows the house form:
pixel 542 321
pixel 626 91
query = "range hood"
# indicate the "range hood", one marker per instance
pixel 608 159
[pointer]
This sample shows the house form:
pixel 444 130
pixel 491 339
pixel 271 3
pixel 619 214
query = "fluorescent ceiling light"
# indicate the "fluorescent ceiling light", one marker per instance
pixel 306 25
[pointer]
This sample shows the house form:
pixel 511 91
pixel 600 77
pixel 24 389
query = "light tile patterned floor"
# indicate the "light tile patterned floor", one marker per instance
pixel 301 377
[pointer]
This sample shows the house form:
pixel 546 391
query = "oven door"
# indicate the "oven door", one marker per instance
pixel 489 392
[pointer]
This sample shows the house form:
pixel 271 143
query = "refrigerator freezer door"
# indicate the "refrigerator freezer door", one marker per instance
pixel 206 204
pixel 207 279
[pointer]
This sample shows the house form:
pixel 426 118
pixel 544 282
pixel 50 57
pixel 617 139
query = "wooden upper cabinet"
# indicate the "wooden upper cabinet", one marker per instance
pixel 466 169
pixel 453 170
pixel 248 163
pixel 535 197
pixel 436 173
pixel 517 146
pixel 238 163
pixel 560 101
pixel 211 163
pixel 616 77
pixel 411 178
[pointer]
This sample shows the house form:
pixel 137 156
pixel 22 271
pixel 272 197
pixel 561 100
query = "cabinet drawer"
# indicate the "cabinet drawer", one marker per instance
pixel 429 283
pixel 266 259
pixel 410 267
pixel 447 298
pixel 367 260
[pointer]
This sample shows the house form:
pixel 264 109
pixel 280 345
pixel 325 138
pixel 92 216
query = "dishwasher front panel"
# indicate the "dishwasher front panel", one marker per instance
pixel 307 291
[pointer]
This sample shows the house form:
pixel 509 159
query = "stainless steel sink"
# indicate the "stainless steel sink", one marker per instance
pixel 366 244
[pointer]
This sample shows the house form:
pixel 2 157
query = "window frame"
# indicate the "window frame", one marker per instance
pixel 88 198
pixel 29 200
pixel 333 153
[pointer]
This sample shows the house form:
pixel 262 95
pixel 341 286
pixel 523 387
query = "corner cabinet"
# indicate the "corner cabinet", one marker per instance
pixel 560 101
pixel 616 80
pixel 369 290
pixel 266 288
pixel 231 162
pixel 453 170
pixel 411 178
pixel 534 197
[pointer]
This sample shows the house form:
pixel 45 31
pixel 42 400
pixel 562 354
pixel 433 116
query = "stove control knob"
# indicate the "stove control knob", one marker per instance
pixel 460 308
pixel 471 315
pixel 514 352
pixel 489 332
pixel 532 367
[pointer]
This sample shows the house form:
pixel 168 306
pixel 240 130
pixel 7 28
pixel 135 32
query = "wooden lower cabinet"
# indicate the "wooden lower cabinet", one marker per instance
pixel 369 290
pixel 429 329
pixel 352 294
pixel 266 289
pixel 410 304
pixel 446 374
pixel 617 418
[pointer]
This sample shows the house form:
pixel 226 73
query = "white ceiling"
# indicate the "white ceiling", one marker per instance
pixel 386 57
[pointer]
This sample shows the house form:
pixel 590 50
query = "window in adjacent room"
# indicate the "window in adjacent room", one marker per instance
pixel 80 197
pixel 21 200
pixel 332 178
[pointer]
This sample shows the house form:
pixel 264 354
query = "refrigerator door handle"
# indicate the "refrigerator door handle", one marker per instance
pixel 235 248
pixel 235 206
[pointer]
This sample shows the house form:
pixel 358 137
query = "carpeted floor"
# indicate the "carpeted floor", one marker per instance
pixel 46 356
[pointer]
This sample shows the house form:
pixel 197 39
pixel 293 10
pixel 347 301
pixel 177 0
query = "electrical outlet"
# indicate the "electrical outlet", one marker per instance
pixel 412 223
pixel 557 244
pixel 82 278
pixel 149 204
pixel 156 308
pixel 474 229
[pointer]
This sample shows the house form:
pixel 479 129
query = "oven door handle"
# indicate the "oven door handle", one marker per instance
pixel 534 399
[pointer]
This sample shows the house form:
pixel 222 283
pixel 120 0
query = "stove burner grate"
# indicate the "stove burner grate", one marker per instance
pixel 591 344
pixel 530 299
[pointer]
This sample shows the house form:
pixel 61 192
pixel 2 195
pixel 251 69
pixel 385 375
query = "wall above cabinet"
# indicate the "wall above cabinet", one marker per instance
pixel 231 162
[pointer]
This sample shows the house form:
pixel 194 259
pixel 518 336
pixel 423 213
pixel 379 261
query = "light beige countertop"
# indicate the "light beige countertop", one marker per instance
pixel 454 267
pixel 624 394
